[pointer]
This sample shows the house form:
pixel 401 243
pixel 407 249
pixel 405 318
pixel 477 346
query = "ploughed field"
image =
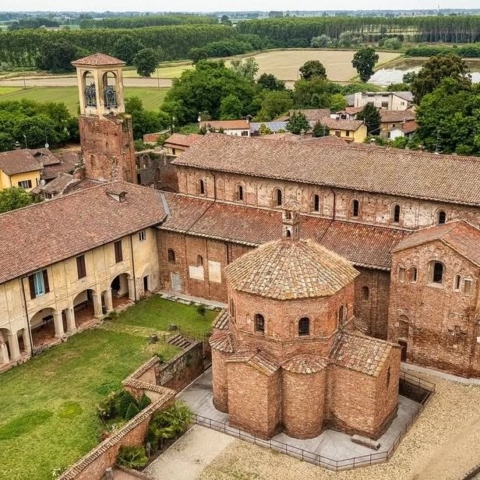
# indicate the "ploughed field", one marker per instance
pixel 47 405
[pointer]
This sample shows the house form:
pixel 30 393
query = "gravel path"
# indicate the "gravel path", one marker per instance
pixel 72 82
pixel 442 445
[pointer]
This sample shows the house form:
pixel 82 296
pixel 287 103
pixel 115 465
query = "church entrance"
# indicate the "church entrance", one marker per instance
pixel 403 344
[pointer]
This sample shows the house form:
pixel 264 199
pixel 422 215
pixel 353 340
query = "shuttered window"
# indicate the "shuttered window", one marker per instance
pixel 81 267
pixel 118 251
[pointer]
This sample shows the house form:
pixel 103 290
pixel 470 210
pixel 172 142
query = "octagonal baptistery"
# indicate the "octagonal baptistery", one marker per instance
pixel 290 305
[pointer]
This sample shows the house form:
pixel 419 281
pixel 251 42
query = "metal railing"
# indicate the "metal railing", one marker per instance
pixel 321 460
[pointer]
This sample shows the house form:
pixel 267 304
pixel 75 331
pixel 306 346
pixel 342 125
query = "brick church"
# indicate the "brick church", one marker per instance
pixel 407 221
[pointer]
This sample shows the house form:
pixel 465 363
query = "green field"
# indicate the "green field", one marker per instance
pixel 152 98
pixel 48 415
pixel 169 71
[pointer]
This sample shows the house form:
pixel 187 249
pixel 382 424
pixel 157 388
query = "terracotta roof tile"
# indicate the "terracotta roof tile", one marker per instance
pixel 183 140
pixel 18 161
pixel 226 124
pixel 45 156
pixel 72 224
pixel 222 341
pixel 363 245
pixel 290 269
pixel 221 320
pixel 392 116
pixel 290 137
pixel 408 173
pixel 98 59
pixel 305 364
pixel 461 236
pixel 66 164
pixel 339 124
pixel 312 114
pixel 360 353
pixel 261 361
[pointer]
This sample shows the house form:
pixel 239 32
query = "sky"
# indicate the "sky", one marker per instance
pixel 215 5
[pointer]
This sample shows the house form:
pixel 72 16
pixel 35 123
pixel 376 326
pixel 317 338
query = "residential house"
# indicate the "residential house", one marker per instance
pixel 228 127
pixel 394 120
pixel 19 168
pixel 406 130
pixel 178 143
pixel 348 130
pixel 311 114
pixel 384 100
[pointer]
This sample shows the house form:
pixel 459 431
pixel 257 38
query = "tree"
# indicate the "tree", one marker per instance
pixel 322 41
pixel 247 68
pixel 7 142
pixel 268 81
pixel 230 108
pixel 371 117
pixel 56 56
pixel 274 105
pixel 264 130
pixel 337 102
pixel 320 130
pixel 126 48
pixel 146 62
pixel 225 20
pixel 145 121
pixel 315 93
pixel 392 43
pixel 435 70
pixel 298 123
pixel 13 198
pixel 364 61
pixel 313 69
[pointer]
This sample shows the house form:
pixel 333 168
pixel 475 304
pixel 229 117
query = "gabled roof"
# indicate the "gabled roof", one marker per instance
pixel 98 60
pixel 18 161
pixel 182 140
pixel 312 114
pixel 340 124
pixel 226 124
pixel 290 269
pixel 45 156
pixel 420 175
pixel 45 233
pixel 390 116
pixel 260 361
pixel 460 236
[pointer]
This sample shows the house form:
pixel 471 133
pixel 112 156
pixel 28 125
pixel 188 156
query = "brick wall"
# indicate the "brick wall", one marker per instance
pixel 220 380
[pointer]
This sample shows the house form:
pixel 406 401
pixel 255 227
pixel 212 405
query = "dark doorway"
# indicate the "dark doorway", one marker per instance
pixel 145 284
pixel 403 344
pixel 116 284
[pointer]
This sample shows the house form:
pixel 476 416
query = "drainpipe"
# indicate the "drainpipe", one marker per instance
pixel 133 269
pixel 29 329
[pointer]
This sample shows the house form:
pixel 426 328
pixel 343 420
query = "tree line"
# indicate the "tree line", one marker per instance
pixel 20 48
pixel 464 51
pixel 294 31
pixel 147 21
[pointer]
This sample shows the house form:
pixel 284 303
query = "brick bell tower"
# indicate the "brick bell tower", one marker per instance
pixel 106 133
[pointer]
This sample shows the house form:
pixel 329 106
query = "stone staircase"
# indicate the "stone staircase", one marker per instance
pixel 180 341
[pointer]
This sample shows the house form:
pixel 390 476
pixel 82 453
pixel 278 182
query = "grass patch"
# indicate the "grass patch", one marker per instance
pixel 48 404
pixel 169 71
pixel 152 98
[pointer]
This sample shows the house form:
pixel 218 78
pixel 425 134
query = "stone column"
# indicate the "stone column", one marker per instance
pixel 71 325
pixel 131 289
pixel 4 358
pixel 26 341
pixel 14 347
pixel 58 322
pixel 97 305
pixel 108 300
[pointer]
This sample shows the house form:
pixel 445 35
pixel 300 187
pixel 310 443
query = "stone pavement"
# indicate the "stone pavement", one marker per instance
pixel 180 297
pixel 330 444
pixel 438 374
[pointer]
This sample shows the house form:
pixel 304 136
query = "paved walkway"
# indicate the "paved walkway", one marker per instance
pixel 438 374
pixel 330 444
pixel 171 295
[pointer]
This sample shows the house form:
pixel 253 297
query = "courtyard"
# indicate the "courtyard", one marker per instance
pixel 47 405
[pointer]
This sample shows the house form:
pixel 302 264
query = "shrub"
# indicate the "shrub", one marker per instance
pixel 108 408
pixel 124 403
pixel 132 457
pixel 144 402
pixel 132 410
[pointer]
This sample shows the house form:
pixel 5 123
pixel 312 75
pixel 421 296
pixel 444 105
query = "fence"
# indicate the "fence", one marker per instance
pixel 416 384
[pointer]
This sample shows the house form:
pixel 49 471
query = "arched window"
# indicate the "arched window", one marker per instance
pixel 365 293
pixel 316 203
pixel 396 213
pixel 232 308
pixel 436 272
pixel 341 315
pixel 304 326
pixel 288 233
pixel 259 323
pixel 239 193
pixel 355 208
pixel 412 275
pixel 442 217
pixel 278 197
pixel 171 255
pixel 199 261
pixel 201 187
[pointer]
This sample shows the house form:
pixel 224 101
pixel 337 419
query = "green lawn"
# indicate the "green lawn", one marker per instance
pixel 152 98
pixel 171 70
pixel 48 404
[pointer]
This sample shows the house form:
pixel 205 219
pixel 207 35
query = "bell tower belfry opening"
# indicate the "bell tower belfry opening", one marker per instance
pixel 106 133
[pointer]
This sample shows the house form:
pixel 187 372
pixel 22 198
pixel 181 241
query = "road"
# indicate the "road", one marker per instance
pixel 72 82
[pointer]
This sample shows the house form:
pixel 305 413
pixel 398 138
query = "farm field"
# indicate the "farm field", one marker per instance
pixel 48 418
pixel 152 98
pixel 169 71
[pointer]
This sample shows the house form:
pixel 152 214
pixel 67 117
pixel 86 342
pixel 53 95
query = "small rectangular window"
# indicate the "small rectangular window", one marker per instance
pixel 81 267
pixel 467 287
pixel 142 235
pixel 118 251
pixel 25 184
pixel 38 283
pixel 401 274
pixel 457 283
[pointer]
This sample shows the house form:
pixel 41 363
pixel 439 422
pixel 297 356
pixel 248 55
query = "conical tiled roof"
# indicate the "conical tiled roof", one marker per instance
pixel 287 269
pixel 98 60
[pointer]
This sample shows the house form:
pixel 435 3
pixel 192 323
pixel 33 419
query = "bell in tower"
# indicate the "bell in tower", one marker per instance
pixel 106 133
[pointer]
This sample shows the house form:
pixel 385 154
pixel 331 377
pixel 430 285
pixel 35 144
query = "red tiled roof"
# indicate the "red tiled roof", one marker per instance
pixel 223 341
pixel 18 161
pixel 363 245
pixel 42 234
pixel 260 361
pixel 409 127
pixel 290 269
pixel 221 320
pixel 66 164
pixel 45 156
pixel 305 364
pixel 97 59
pixel 290 137
pixel 183 140
pixel 392 116
pixel 407 173
pixel 361 353
pixel 461 236
pixel 226 124
pixel 340 124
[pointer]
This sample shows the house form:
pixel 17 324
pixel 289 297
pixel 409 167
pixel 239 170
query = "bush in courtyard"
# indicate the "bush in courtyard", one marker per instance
pixel 132 457
pixel 132 410
pixel 126 400
pixel 144 402
pixel 108 408
pixel 121 405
